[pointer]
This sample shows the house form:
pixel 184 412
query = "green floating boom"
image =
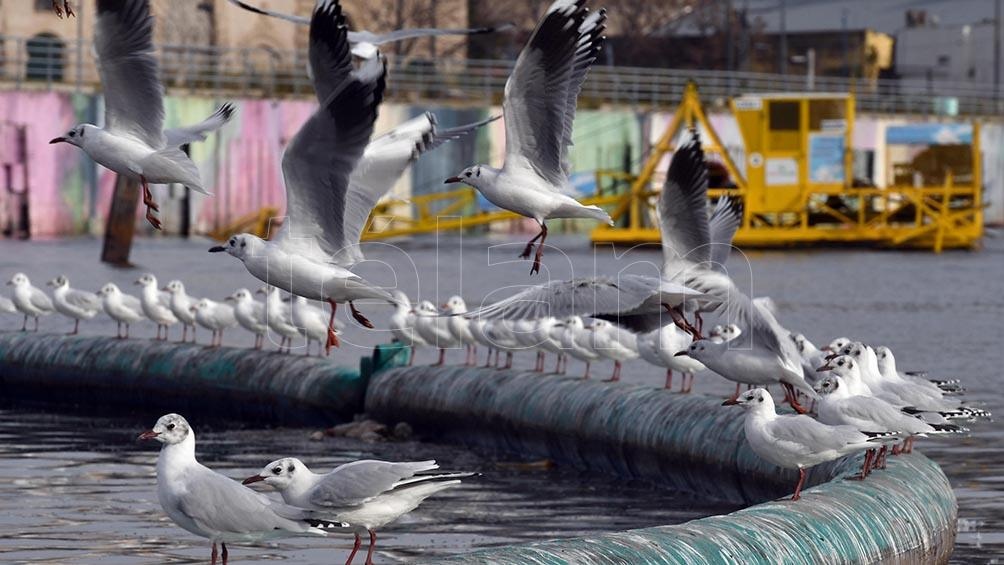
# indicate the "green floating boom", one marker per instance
pixel 906 513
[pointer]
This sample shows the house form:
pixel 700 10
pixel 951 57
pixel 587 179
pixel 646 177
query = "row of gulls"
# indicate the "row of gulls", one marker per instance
pixel 358 497
pixel 290 318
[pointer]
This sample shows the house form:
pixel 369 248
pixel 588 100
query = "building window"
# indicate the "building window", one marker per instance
pixel 45 58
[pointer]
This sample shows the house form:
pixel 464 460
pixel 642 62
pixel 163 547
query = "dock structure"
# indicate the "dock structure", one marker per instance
pixel 903 514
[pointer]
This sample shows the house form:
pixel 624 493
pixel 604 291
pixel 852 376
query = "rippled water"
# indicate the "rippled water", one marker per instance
pixel 943 313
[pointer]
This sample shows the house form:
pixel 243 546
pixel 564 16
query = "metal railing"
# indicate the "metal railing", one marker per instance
pixel 261 72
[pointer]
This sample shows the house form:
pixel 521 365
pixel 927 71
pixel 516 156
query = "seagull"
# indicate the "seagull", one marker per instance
pixel 60 6
pixel 311 321
pixel 359 39
pixel 156 305
pixel 895 390
pixel 612 342
pixel 524 331
pixel 545 333
pixel 210 505
pixel 460 328
pixel 366 494
pixel 660 346
pixel 215 317
pixel 797 441
pixel 434 329
pixel 133 142
pixel 576 341
pixel 29 300
pixel 812 356
pixel 6 306
pixel 402 324
pixel 123 308
pixel 539 109
pixel 479 331
pixel 838 406
pixel 326 211
pixel 279 319
pixel 250 314
pixel 73 303
pixel 181 306
pixel 887 368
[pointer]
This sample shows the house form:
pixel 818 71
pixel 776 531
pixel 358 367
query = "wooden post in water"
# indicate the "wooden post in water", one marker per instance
pixel 121 222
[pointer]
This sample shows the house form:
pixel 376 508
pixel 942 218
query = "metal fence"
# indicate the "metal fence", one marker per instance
pixel 48 62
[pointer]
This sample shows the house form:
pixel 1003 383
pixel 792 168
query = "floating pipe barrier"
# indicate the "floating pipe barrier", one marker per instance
pixel 903 514
pixel 140 375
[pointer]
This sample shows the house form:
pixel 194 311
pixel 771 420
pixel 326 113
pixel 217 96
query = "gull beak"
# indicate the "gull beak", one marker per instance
pixel 57 140
pixel 831 356
pixel 452 180
pixel 681 353
pixel 10 282
pixel 730 402
pixel 825 348
pixel 230 299
pixel 217 249
pixel 148 435
pixel 165 289
pixel 252 479
pixel 138 282
pixel 50 283
pixel 826 367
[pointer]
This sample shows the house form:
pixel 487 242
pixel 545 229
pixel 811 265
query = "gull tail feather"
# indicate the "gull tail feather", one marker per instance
pixel 173 164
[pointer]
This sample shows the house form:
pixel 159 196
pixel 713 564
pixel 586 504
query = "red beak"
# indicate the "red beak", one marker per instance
pixel 730 402
pixel 824 368
pixel 252 479
pixel 452 179
pixel 680 353
pixel 148 435
pixel 57 140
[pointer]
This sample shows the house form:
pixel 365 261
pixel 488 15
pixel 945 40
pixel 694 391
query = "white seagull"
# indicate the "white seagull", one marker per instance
pixel 29 300
pixel 210 505
pixel 798 441
pixel 311 321
pixel 133 142
pixel 433 327
pixel 660 346
pixel 460 328
pixel 279 319
pixel 402 324
pixel 181 306
pixel 365 494
pixel 539 109
pixel 123 308
pixel 73 303
pixel 156 305
pixel 250 314
pixel 215 317
pixel 576 341
pixel 614 343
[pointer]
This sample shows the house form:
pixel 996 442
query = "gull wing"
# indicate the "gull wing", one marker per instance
pixel 321 203
pixel 134 96
pixel 722 226
pixel 83 299
pixel 177 137
pixel 683 210
pixel 354 483
pixel 541 93
pixel 40 300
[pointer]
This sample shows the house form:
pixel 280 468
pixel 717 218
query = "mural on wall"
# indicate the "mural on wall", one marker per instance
pixel 69 195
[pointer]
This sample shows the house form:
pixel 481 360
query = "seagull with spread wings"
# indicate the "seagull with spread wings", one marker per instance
pixel 539 108
pixel 133 142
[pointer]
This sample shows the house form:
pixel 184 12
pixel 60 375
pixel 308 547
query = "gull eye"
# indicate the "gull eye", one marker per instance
pixel 170 426
pixel 276 470
pixel 233 242
pixel 841 363
pixel 759 399
pixel 72 133
pixel 467 174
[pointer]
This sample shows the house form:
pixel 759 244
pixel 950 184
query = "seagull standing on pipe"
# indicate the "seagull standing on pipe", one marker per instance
pixel 539 109
pixel 133 142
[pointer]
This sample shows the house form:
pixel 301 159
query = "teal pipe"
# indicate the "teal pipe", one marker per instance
pixel 905 513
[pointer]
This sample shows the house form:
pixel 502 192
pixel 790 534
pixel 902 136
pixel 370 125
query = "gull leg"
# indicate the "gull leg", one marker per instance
pixel 442 357
pixel 355 549
pixel 76 326
pixel 793 400
pixel 488 359
pixel 24 325
pixel 127 331
pixel 151 205
pixel 880 460
pixel 586 374
pixel 508 359
pixel 669 379
pixel 864 466
pixel 616 375
pixel 369 552
pixel 700 321
pixel 529 246
pixel 682 322
pixel 359 317
pixel 798 487
pixel 184 332
pixel 535 268
pixel 36 324
pixel 411 358
pixel 225 555
pixel 68 8
pixel 332 336
pixel 213 561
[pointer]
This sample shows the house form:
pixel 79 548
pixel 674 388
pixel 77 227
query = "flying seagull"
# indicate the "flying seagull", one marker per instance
pixel 539 109
pixel 134 142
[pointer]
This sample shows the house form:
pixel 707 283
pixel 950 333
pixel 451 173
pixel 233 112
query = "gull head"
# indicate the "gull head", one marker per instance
pixel 455 305
pixel 241 246
pixel 475 176
pixel 240 295
pixel 202 304
pixel 754 400
pixel 730 332
pixel 426 308
pixel 886 361
pixel 279 474
pixel 700 350
pixel 108 290
pixel 837 344
pixel 800 341
pixel 147 280
pixel 169 429
pixel 829 385
pixel 716 331
pixel 19 279
pixel 59 282
pixel 575 323
pixel 174 287
pixel 403 302
pixel 842 366
pixel 80 135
